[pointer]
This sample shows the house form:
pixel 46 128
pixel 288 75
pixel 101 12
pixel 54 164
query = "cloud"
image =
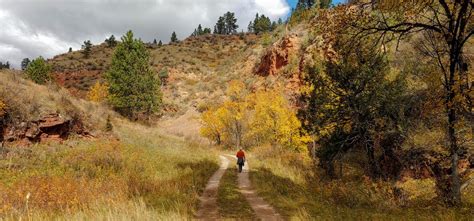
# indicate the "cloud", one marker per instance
pixel 49 27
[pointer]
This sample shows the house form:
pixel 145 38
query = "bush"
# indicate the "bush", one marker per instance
pixel 39 71
pixel 98 92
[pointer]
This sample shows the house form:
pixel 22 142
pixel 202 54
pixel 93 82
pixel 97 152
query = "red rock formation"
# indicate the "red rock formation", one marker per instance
pixel 50 127
pixel 277 56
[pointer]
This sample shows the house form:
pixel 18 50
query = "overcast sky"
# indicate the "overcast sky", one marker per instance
pixel 30 28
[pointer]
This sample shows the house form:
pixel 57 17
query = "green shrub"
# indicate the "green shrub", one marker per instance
pixel 39 71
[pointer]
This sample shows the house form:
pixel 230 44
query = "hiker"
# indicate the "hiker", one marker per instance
pixel 240 159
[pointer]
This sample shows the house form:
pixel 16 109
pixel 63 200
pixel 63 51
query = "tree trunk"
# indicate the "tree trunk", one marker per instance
pixel 455 196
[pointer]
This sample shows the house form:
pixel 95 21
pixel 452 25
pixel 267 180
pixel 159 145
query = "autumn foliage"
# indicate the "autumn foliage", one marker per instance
pixel 98 92
pixel 254 119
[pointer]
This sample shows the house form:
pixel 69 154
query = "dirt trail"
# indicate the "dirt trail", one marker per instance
pixel 263 210
pixel 208 209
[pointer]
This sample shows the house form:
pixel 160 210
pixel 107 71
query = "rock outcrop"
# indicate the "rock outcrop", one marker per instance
pixel 49 127
pixel 277 56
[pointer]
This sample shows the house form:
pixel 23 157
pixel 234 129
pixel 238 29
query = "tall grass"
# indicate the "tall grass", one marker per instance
pixel 143 175
pixel 292 184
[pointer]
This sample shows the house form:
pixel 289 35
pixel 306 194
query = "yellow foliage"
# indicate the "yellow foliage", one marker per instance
pixel 263 117
pixel 236 90
pixel 99 92
pixel 275 122
pixel 3 108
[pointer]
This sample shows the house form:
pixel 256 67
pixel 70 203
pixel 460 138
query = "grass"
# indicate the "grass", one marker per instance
pixel 143 176
pixel 232 204
pixel 289 183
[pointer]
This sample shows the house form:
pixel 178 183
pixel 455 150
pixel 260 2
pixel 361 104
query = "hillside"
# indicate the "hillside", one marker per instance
pixel 198 67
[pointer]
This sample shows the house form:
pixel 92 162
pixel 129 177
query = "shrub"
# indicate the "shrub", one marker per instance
pixel 98 92
pixel 39 71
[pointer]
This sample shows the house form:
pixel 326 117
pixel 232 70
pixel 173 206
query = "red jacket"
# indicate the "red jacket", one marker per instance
pixel 241 154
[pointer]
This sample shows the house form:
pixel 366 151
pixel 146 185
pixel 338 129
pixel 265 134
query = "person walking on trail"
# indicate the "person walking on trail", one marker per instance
pixel 240 159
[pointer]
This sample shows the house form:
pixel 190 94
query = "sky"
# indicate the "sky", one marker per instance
pixel 32 28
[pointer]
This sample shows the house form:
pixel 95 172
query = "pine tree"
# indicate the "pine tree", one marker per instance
pixel 199 30
pixel 230 23
pixel 38 71
pixel 87 47
pixel 24 63
pixel 250 27
pixel 174 38
pixel 111 42
pixel 154 41
pixel 134 90
pixel 280 21
pixel 325 3
pixel 70 50
pixel 160 43
pixel 220 27
pixel 207 31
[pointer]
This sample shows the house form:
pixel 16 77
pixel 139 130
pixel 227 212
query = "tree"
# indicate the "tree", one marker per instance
pixel 160 43
pixel 38 71
pixel 24 63
pixel 134 90
pixel 226 24
pixel 87 47
pixel 230 23
pixel 174 38
pixel 351 104
pixel 280 21
pixel 70 50
pixel 207 31
pixel 111 42
pixel 199 30
pixel 220 27
pixel 261 24
pixel 98 93
pixel 5 65
pixel 154 41
pixel 449 26
pixel 275 122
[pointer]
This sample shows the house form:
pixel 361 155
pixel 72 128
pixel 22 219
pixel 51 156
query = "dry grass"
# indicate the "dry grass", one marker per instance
pixel 158 175
pixel 26 101
pixel 298 192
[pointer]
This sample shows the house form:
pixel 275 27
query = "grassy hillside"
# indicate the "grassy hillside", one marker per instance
pixel 134 172
pixel 198 67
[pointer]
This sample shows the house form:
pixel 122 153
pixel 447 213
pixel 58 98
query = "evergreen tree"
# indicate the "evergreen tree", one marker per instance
pixel 207 31
pixel 5 65
pixel 87 47
pixel 250 27
pixel 111 42
pixel 38 71
pixel 220 27
pixel 199 30
pixel 174 38
pixel 230 23
pixel 273 26
pixel 70 50
pixel 262 24
pixel 280 21
pixel 24 63
pixel 160 43
pixel 325 3
pixel 154 41
pixel 134 89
